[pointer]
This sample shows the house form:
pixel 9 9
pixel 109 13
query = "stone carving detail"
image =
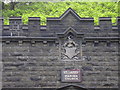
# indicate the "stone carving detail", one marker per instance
pixel 70 50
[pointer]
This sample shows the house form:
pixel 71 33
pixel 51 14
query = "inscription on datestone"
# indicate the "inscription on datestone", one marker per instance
pixel 71 75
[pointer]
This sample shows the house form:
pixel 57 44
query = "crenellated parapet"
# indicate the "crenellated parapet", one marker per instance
pixel 59 24
pixel 68 53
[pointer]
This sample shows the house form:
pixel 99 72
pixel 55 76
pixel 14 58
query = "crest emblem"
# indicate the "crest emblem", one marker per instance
pixel 70 49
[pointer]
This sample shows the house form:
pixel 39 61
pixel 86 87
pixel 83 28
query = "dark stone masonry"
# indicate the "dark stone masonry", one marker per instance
pixel 69 53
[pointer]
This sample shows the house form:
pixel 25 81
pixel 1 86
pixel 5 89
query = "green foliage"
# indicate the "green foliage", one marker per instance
pixel 119 8
pixel 50 9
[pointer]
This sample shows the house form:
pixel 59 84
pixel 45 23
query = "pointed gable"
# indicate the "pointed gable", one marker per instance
pixel 72 87
pixel 68 12
pixel 70 19
pixel 70 30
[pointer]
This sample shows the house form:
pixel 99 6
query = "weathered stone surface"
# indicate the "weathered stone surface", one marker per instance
pixel 35 78
pixel 17 54
pixel 16 64
pixel 12 79
pixel 23 58
pixel 33 59
pixel 87 68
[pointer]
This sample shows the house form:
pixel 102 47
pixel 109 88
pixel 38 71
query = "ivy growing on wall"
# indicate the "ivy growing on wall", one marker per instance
pixel 55 9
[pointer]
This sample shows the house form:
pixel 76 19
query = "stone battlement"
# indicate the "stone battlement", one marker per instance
pixel 59 24
pixel 69 53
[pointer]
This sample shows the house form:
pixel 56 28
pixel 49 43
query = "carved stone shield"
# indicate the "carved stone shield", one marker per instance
pixel 70 52
pixel 70 49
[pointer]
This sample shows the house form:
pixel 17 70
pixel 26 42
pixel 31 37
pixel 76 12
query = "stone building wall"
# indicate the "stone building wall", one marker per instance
pixel 32 53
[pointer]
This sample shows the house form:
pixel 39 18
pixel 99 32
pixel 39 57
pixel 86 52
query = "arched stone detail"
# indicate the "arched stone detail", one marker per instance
pixel 71 87
pixel 70 45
